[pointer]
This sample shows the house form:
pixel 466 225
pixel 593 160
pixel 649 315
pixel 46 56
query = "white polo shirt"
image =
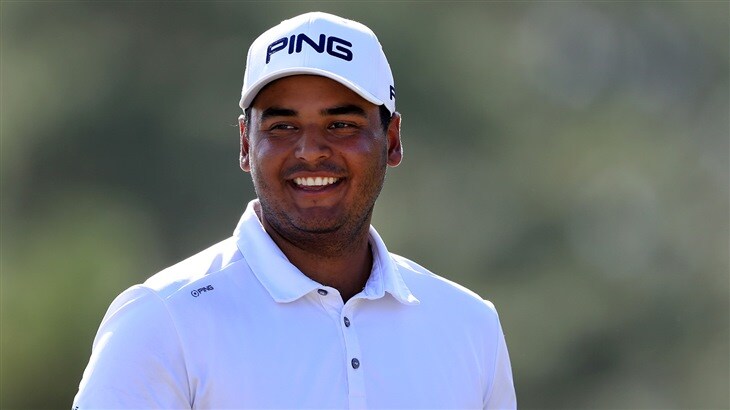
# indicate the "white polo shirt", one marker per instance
pixel 239 327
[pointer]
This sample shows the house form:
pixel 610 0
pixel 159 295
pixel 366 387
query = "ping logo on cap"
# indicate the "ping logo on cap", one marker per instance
pixel 334 46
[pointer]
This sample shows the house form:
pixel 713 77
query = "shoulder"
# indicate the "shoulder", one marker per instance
pixel 177 284
pixel 205 266
pixel 168 294
pixel 447 295
pixel 191 288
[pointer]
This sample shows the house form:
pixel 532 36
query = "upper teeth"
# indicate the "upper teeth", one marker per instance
pixel 318 181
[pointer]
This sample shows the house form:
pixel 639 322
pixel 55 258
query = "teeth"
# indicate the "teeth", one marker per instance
pixel 318 181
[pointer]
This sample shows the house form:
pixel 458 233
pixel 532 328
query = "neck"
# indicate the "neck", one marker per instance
pixel 327 258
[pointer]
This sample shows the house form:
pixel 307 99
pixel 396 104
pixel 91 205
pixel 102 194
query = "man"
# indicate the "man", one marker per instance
pixel 304 307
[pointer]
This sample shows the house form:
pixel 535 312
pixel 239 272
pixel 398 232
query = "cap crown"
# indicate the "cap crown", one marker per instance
pixel 320 44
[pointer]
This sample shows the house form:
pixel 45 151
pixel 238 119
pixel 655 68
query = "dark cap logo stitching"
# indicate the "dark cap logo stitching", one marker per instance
pixel 334 46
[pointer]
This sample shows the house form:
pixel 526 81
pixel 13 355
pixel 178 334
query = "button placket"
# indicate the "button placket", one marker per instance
pixel 355 369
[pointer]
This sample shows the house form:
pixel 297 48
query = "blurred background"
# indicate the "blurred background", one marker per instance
pixel 566 160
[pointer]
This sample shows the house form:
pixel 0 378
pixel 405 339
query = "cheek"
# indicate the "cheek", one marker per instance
pixel 371 164
pixel 374 154
pixel 366 148
pixel 265 157
pixel 261 169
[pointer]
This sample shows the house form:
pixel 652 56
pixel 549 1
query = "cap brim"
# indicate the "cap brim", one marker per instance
pixel 248 97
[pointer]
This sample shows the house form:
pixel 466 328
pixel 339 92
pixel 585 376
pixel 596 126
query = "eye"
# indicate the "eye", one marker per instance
pixel 341 125
pixel 281 126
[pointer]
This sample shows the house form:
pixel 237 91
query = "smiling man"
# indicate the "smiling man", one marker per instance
pixel 304 307
pixel 317 153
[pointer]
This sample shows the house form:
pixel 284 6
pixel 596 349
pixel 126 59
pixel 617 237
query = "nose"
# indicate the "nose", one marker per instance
pixel 312 146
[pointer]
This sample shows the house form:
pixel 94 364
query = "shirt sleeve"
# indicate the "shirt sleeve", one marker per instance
pixel 502 393
pixel 136 361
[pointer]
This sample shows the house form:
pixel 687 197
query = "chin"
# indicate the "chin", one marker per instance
pixel 316 221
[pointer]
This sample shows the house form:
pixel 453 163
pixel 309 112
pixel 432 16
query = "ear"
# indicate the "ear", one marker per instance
pixel 395 147
pixel 244 158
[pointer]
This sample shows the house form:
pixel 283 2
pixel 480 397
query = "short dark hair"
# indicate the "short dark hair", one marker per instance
pixel 385 117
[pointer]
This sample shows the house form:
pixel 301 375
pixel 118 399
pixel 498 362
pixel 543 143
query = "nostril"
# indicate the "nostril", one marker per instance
pixel 312 147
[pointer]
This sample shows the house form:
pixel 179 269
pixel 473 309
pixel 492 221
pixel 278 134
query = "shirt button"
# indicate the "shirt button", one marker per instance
pixel 347 322
pixel 322 292
pixel 355 363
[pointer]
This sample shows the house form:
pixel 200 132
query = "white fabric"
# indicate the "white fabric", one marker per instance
pixel 343 50
pixel 239 327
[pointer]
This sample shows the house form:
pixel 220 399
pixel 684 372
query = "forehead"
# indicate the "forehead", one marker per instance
pixel 302 91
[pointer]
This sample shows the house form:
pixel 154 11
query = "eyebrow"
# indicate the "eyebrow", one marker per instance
pixel 345 110
pixel 349 109
pixel 277 112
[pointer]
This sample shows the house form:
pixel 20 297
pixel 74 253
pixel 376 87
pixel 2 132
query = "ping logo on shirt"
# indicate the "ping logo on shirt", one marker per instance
pixel 334 46
pixel 197 292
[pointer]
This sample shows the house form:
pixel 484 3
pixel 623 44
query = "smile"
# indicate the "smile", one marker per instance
pixel 315 182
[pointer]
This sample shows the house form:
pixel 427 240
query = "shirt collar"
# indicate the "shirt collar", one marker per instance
pixel 385 276
pixel 286 283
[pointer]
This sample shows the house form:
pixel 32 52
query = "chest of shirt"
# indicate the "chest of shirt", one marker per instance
pixel 316 353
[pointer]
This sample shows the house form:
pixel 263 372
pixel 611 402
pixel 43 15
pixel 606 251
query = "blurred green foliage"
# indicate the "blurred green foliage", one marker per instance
pixel 567 160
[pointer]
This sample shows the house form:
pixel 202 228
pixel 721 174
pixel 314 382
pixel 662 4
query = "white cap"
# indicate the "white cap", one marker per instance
pixel 320 44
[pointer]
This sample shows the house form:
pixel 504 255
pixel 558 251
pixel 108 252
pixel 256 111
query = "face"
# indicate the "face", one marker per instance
pixel 317 154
